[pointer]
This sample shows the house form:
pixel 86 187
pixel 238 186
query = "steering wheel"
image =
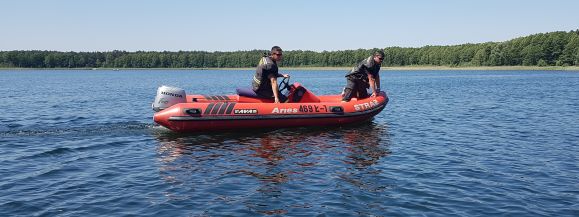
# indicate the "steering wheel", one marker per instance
pixel 284 84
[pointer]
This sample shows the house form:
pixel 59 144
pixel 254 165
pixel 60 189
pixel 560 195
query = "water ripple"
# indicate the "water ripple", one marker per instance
pixel 464 143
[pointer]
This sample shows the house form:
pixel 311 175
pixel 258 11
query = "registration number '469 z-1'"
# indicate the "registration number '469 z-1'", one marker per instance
pixel 312 108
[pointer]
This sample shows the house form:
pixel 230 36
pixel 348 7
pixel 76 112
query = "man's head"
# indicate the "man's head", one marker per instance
pixel 378 56
pixel 276 53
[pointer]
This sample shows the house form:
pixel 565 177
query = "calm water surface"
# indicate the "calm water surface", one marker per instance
pixel 449 143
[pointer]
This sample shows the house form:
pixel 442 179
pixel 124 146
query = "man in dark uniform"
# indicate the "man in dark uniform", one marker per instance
pixel 364 75
pixel 265 79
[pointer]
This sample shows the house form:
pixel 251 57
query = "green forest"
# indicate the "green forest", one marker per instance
pixel 544 49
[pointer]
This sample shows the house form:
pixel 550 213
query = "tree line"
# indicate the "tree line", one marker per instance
pixel 544 49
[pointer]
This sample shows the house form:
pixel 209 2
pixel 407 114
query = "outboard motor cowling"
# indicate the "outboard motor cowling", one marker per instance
pixel 167 97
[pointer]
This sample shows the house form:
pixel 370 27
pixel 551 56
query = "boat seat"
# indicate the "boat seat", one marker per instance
pixel 248 92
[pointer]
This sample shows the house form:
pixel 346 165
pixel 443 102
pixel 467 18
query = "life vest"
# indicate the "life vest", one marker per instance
pixel 265 68
pixel 365 67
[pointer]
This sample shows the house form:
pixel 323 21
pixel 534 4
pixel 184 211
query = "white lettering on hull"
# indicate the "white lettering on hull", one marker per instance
pixel 366 106
pixel 277 110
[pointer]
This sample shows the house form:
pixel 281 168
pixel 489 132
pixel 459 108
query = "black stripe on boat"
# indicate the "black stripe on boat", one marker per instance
pixel 222 109
pixel 214 98
pixel 216 108
pixel 226 98
pixel 230 108
pixel 209 107
pixel 220 98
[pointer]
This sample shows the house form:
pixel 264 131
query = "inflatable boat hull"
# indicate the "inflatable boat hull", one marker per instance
pixel 202 113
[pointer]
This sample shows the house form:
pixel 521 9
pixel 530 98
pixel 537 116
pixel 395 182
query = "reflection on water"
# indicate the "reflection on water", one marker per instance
pixel 252 169
pixel 366 146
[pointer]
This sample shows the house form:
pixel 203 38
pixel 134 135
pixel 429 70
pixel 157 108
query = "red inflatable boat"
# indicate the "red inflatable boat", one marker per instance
pixel 197 113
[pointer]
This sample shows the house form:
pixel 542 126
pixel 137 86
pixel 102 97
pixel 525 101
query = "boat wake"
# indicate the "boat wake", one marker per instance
pixel 97 129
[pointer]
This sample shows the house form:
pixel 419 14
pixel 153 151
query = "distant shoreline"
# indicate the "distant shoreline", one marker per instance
pixel 402 68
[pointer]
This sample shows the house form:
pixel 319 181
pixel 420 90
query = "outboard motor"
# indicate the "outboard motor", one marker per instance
pixel 167 97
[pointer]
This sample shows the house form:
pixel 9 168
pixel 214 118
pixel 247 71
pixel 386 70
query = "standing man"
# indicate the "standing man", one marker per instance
pixel 362 76
pixel 265 79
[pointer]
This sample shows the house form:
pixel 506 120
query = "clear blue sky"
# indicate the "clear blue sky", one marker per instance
pixel 230 25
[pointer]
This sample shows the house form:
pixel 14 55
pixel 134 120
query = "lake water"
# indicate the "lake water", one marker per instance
pixel 449 143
